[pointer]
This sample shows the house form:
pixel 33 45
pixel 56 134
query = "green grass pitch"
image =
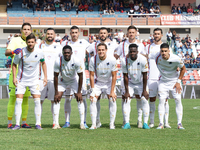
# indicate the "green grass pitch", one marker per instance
pixel 102 138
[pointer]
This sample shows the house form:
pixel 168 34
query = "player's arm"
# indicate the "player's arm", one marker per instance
pixel 92 95
pixel 112 91
pixel 144 93
pixel 116 56
pixel 10 52
pixel 56 96
pixel 80 83
pixel 44 68
pixel 126 94
pixel 14 67
pixel 117 52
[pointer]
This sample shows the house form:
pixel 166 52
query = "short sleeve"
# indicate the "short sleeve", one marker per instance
pixel 17 59
pixel 90 48
pixel 57 65
pixel 79 67
pixel 12 45
pixel 119 50
pixel 124 66
pixel 42 57
pixel 114 65
pixel 180 63
pixel 91 65
pixel 144 65
pixel 142 50
pixel 87 44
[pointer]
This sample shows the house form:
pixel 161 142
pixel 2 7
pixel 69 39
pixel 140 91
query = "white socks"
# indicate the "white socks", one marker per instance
pixel 145 109
pixel 18 110
pixel 67 108
pixel 37 111
pixel 139 109
pixel 85 107
pixel 126 110
pixel 161 109
pixel 123 111
pixel 113 111
pixel 152 111
pixel 98 111
pixel 52 111
pixel 56 110
pixel 166 112
pixel 81 109
pixel 93 111
pixel 179 110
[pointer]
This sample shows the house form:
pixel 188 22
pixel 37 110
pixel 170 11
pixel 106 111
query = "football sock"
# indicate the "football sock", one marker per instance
pixel 11 108
pixel 85 107
pixel 123 110
pixel 126 110
pixel 37 111
pixel 24 109
pixel 67 108
pixel 93 111
pixel 161 109
pixel 166 112
pixel 52 111
pixel 98 110
pixel 113 110
pixel 152 111
pixel 18 110
pixel 139 109
pixel 179 110
pixel 145 109
pixel 81 109
pixel 56 109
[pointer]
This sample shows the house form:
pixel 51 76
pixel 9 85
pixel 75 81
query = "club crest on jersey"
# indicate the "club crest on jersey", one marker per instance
pixel 30 67
pixel 72 65
pixel 135 75
pixel 35 56
pixel 108 63
pixel 54 47
pixel 138 63
pixel 80 42
pixel 49 57
pixel 108 44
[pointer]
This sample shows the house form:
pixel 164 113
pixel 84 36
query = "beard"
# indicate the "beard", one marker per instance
pixel 50 40
pixel 103 39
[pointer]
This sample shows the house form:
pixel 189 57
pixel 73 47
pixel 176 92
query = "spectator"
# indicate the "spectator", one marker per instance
pixel 142 11
pixel 81 7
pixel 66 37
pixel 34 4
pixel 198 6
pixel 10 36
pixel 62 6
pixel 90 38
pixel 9 4
pixel 7 42
pixel 131 11
pixel 120 35
pixel 173 7
pixel 52 7
pixel 116 35
pixel 187 61
pixel 175 11
pixel 188 44
pixel 30 4
pixel 188 6
pixel 177 39
pixel 181 55
pixel 173 37
pixel 126 3
pixel 57 4
pixel 190 10
pixel 109 36
pixel 131 5
pixel 183 8
pixel 150 36
pixel 116 8
pixel 68 8
pixel 112 33
pixel 111 4
pixel 90 8
pixel 37 8
pixel 179 44
pixel 24 4
pixel 198 60
pixel 187 54
pixel 196 11
pixel 86 7
pixel 116 3
pixel 138 34
pixel 57 38
pixel 106 11
pixel 183 41
pixel 136 7
pixel 121 8
pixel 112 10
pixel 100 7
pixel 179 10
pixel 169 36
pixel 152 10
pixel 157 11
pixel 179 6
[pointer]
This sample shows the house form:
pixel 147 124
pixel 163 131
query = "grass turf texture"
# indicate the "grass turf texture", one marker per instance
pixel 102 138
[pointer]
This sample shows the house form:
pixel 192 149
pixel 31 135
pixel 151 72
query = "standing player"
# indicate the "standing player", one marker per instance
pixel 135 69
pixel 14 48
pixel 69 66
pixel 51 52
pixel 170 80
pixel 104 67
pixel 153 77
pixel 112 46
pixel 28 76
pixel 79 47
pixel 122 51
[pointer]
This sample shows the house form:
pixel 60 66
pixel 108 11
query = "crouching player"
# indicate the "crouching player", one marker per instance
pixel 68 67
pixel 135 69
pixel 105 69
pixel 170 80
pixel 28 76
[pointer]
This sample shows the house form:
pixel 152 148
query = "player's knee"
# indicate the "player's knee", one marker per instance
pixel 19 100
pixel 37 101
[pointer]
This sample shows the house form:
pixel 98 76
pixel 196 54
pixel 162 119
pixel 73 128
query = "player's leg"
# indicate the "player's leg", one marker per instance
pixel 10 110
pixel 84 93
pixel 98 122
pixel 166 116
pixel 67 109
pixel 43 93
pixel 122 93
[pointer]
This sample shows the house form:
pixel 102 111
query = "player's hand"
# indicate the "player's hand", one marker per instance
pixel 57 98
pixel 15 82
pixel 126 96
pixel 113 96
pixel 145 94
pixel 17 51
pixel 79 97
pixel 45 82
pixel 178 88
pixel 178 69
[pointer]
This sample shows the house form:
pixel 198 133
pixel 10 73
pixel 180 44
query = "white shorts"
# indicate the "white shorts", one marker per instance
pixel 102 87
pixel 68 86
pixel 84 86
pixel 134 89
pixel 33 87
pixel 48 91
pixel 153 88
pixel 165 87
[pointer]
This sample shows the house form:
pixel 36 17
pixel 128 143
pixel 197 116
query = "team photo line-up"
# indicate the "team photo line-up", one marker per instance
pixel 47 70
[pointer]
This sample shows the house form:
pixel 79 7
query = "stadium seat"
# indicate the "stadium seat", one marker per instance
pixel 124 21
pixel 62 21
pixel 46 20
pixel 154 21
pixel 32 20
pixel 108 21
pixel 15 20
pixel 3 20
pixel 93 21
pixel 139 21
pixel 77 21
pixel 187 82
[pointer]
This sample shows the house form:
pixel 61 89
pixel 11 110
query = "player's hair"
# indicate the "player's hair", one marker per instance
pixel 103 28
pixel 74 27
pixel 102 44
pixel 31 36
pixel 26 24
pixel 158 29
pixel 133 45
pixel 67 47
pixel 164 45
pixel 50 29
pixel 131 27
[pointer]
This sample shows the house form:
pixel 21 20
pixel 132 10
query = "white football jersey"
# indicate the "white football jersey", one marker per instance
pixel 68 69
pixel 122 49
pixel 168 68
pixel 135 68
pixel 51 53
pixel 103 68
pixel 112 46
pixel 28 69
pixel 152 50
